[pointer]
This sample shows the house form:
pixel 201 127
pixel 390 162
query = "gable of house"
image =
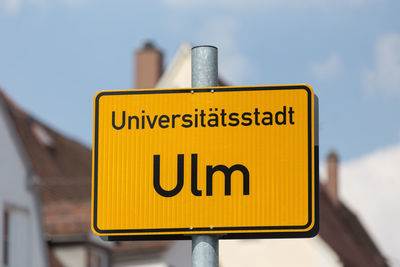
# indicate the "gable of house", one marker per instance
pixel 62 166
pixel 20 219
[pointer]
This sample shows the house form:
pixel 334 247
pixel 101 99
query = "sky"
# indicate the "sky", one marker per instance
pixel 56 54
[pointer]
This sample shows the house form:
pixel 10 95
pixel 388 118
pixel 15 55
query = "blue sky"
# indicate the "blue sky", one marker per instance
pixel 54 56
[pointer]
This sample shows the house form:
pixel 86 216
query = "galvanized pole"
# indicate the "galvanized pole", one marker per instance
pixel 204 74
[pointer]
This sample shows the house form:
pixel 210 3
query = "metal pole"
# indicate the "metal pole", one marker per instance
pixel 204 66
pixel 204 74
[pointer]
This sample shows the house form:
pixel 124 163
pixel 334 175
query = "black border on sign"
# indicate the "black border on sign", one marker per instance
pixel 159 234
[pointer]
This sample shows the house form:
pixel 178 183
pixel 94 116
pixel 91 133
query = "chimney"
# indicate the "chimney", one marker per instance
pixel 149 61
pixel 332 183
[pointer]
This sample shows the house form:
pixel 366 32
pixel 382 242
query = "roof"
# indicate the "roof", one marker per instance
pixel 343 232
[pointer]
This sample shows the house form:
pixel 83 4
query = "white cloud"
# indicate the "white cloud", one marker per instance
pixel 14 7
pixel 328 69
pixel 222 33
pixel 370 185
pixel 385 76
pixel 10 7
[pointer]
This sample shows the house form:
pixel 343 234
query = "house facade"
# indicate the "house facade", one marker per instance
pixel 22 237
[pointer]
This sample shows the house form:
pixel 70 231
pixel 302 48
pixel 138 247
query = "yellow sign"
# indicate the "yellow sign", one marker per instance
pixel 238 161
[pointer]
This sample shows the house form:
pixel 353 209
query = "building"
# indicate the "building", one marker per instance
pixel 45 201
pixel 22 237
pixel 342 240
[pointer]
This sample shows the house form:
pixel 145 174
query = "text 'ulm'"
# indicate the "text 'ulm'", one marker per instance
pixel 210 170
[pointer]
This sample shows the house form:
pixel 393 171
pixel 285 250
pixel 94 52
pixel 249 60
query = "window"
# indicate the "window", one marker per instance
pixel 15 236
pixel 6 235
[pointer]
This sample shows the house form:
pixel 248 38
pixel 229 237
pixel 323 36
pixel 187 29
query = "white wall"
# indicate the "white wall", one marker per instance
pixel 73 256
pixel 19 238
pixel 277 252
pixel 179 71
pixel 25 221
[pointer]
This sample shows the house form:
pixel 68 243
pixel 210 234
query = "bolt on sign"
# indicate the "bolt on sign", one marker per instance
pixel 241 162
